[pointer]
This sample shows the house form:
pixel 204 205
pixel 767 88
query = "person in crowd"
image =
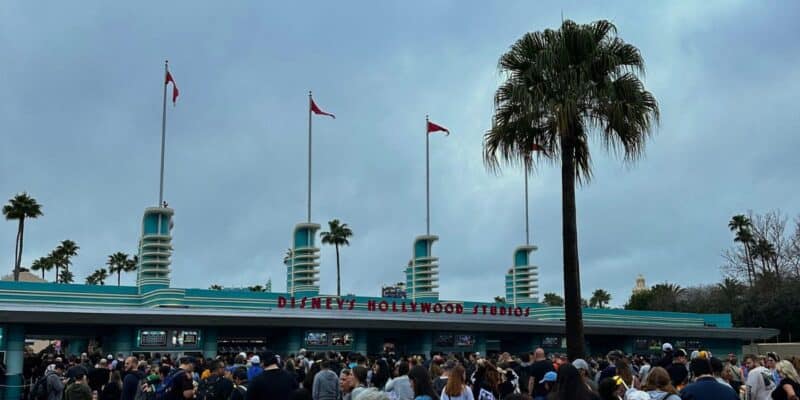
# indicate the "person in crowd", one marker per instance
pixel 705 386
pixel 625 373
pixel 325 385
pixel 509 383
pixel 717 369
pixel 788 387
pixel 748 364
pixel 586 373
pixel 610 370
pixel 677 370
pixel 487 381
pixel 357 381
pixel 658 385
pixel 455 385
pixel 290 367
pixel 644 368
pixel 536 372
pixel 308 382
pixel 421 384
pixel 400 386
pixel 273 383
pixel 759 383
pixel 441 381
pixel 737 376
pixel 98 375
pixel 131 378
pixel 570 385
pixel 380 374
pixel 373 395
pixel 772 362
pixel 666 356
pixel 523 368
pixel 181 381
pixel 79 389
pixel 345 383
pixel 215 386
pixel 239 376
pixel 255 367
pixel 55 382
pixel 547 386
pixel 608 389
pixel 113 389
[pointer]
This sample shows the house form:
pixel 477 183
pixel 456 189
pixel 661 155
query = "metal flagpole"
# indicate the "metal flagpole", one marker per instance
pixel 309 157
pixel 163 135
pixel 527 223
pixel 427 179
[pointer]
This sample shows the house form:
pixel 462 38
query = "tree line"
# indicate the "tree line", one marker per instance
pixel 761 278
pixel 24 207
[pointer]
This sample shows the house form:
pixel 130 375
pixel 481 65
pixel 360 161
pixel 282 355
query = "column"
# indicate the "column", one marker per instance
pixel 77 346
pixel 361 341
pixel 123 340
pixel 15 347
pixel 210 342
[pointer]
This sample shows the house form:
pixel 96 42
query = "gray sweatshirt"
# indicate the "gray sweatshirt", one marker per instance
pixel 55 387
pixel 326 386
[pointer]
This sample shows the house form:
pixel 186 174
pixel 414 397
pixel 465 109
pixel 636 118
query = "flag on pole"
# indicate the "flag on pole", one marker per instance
pixel 316 110
pixel 174 87
pixel 436 128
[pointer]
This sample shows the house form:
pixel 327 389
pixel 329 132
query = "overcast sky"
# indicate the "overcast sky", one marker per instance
pixel 80 118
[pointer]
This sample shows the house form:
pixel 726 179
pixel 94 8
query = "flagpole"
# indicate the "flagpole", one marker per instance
pixel 427 179
pixel 163 135
pixel 527 223
pixel 309 156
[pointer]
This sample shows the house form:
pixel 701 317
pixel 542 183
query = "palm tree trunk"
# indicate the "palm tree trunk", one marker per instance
pixel 119 276
pixel 56 279
pixel 338 275
pixel 43 274
pixel 18 261
pixel 572 281
pixel 750 271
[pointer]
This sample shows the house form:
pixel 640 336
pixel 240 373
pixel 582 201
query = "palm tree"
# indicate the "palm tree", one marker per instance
pixel 66 276
pixel 117 263
pixel 58 261
pixel 66 250
pixel 765 250
pixel 499 299
pixel 215 287
pixel 553 300
pixel 338 235
pixel 256 288
pixel 741 226
pixel 288 255
pixel 43 264
pixel 20 207
pixel 561 85
pixel 132 264
pixel 599 299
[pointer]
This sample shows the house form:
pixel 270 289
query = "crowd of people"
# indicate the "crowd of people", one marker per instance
pixel 673 375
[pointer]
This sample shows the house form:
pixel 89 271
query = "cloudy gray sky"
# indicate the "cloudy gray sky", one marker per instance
pixel 80 115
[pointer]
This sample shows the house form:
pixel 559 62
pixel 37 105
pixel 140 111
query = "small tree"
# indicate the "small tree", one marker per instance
pixel 553 300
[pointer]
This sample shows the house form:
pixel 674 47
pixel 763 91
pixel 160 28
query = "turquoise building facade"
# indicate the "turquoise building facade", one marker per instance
pixel 155 317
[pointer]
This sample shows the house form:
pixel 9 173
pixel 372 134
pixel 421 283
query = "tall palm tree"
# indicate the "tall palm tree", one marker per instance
pixel 599 299
pixel 561 86
pixel 20 207
pixel 43 264
pixel 132 264
pixel 57 260
pixel 117 263
pixel 742 227
pixel 337 235
pixel 765 251
pixel 66 250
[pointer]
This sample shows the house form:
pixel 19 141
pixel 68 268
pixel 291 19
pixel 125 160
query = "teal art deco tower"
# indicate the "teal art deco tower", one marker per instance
pixel 522 279
pixel 422 273
pixel 302 262
pixel 155 249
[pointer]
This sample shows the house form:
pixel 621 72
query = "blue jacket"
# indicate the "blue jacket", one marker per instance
pixel 253 371
pixel 707 388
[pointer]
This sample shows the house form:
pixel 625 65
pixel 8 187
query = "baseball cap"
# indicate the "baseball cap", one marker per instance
pixel 549 377
pixel 255 360
pixel 666 347
pixel 680 352
pixel 581 364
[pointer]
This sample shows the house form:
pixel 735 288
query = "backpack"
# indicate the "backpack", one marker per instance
pixel 242 391
pixel 164 392
pixel 209 389
pixel 144 391
pixel 39 389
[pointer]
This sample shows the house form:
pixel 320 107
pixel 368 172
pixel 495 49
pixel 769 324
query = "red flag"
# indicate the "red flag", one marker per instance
pixel 174 87
pixel 318 111
pixel 435 128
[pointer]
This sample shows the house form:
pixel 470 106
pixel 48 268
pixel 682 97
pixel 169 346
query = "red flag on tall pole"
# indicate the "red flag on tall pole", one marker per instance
pixel 437 128
pixel 174 87
pixel 316 110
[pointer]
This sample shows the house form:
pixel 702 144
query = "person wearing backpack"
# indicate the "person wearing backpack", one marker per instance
pixel 215 387
pixel 240 384
pixel 79 389
pixel 179 384
pixel 51 385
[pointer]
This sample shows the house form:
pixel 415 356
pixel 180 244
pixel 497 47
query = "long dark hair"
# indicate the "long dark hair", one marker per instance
pixel 380 377
pixel 421 382
pixel 570 384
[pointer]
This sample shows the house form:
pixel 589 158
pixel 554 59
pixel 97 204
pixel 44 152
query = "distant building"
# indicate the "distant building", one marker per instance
pixel 522 279
pixel 640 285
pixel 24 276
pixel 396 291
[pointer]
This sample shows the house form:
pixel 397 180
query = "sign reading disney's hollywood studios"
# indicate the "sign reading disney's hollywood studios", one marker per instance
pixel 393 306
